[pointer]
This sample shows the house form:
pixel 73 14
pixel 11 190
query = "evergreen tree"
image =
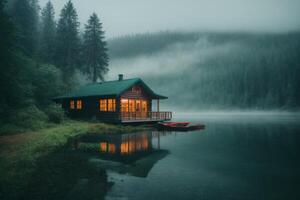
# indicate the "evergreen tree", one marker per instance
pixel 95 50
pixel 13 70
pixel 6 52
pixel 68 43
pixel 7 57
pixel 48 30
pixel 35 8
pixel 25 15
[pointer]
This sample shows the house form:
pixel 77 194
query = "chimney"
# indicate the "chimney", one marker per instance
pixel 120 77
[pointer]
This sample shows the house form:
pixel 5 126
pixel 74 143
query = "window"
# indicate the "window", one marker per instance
pixel 111 148
pixel 72 104
pixel 103 104
pixel 131 105
pixel 103 146
pixel 144 106
pixel 111 105
pixel 107 105
pixel 79 104
pixel 138 105
pixel 124 105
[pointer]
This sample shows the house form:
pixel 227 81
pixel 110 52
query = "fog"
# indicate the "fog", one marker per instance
pixel 213 71
pixel 139 16
pixel 173 60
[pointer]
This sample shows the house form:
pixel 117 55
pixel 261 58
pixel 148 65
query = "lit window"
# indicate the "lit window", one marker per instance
pixel 103 147
pixel 124 105
pixel 124 147
pixel 111 105
pixel 103 104
pixel 72 104
pixel 79 104
pixel 131 105
pixel 111 148
pixel 144 106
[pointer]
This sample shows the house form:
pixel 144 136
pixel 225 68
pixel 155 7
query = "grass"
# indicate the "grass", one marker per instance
pixel 39 164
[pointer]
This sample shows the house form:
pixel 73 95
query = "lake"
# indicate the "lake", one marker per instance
pixel 237 156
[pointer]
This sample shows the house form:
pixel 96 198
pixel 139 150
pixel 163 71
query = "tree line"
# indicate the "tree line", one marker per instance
pixel 230 70
pixel 41 56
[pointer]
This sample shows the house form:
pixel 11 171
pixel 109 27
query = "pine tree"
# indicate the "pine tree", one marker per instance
pixel 68 43
pixel 48 30
pixel 25 15
pixel 35 9
pixel 7 34
pixel 14 91
pixel 95 50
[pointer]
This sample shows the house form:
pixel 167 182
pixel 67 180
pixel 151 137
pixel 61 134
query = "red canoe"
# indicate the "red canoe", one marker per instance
pixel 179 126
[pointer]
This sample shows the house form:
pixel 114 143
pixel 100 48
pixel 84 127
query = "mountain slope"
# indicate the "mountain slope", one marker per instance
pixel 214 70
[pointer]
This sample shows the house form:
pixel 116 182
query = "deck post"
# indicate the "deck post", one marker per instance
pixel 157 105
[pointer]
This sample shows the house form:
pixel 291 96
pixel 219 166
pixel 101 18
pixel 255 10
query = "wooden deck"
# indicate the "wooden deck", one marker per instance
pixel 140 117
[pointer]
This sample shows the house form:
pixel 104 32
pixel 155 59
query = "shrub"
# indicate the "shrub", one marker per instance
pixel 29 118
pixel 55 113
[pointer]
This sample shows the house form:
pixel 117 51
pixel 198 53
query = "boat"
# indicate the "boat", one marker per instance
pixel 179 126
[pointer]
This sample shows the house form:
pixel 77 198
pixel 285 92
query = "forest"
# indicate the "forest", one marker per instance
pixel 41 57
pixel 215 70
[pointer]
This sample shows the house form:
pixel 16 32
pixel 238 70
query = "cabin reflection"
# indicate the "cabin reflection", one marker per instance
pixel 126 144
pixel 121 147
pixel 135 153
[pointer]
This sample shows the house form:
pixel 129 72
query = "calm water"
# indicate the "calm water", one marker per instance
pixel 235 157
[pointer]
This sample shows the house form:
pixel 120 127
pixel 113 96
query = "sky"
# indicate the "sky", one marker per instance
pixel 123 17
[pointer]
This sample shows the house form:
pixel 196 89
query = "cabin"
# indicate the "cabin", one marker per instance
pixel 119 101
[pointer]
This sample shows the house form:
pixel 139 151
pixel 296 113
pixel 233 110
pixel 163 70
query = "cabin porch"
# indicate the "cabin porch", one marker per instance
pixel 135 117
pixel 140 110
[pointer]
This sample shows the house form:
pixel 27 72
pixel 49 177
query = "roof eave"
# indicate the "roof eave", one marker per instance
pixel 157 96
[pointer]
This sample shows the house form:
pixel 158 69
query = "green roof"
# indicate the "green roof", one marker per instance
pixel 109 88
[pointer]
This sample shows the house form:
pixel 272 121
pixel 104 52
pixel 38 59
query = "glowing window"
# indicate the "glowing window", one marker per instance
pixel 124 105
pixel 144 106
pixel 111 105
pixel 103 104
pixel 72 104
pixel 111 148
pixel 103 146
pixel 79 104
pixel 132 105
pixel 124 147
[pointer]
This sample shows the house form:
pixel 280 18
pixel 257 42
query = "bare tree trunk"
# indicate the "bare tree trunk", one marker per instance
pixel 94 55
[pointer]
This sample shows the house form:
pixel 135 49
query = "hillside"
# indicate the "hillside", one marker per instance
pixel 214 70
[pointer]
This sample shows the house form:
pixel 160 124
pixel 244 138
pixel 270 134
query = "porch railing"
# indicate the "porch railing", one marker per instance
pixel 155 116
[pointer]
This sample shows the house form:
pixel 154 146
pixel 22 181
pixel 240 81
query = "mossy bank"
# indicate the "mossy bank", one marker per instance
pixel 40 164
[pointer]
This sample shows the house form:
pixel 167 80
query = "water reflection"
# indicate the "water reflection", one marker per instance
pixel 134 153
pixel 126 144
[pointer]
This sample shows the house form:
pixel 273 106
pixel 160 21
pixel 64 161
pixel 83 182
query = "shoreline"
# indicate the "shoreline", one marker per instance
pixel 39 164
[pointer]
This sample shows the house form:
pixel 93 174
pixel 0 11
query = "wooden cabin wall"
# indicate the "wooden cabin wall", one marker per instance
pixel 130 94
pixel 90 109
pixel 108 116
